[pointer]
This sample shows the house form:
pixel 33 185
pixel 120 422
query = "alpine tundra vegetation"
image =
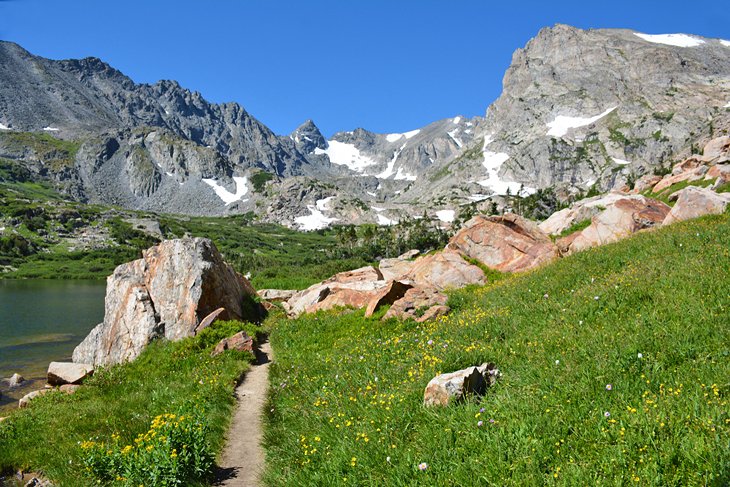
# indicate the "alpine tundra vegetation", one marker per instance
pixel 539 295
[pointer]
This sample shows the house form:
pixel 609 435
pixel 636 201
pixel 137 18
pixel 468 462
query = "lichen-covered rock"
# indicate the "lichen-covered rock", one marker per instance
pixel 166 294
pixel 507 243
pixel 445 389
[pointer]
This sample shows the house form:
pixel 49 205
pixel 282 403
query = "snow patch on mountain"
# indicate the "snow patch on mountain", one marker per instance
pixel 224 194
pixel 493 162
pixel 389 170
pixel 50 129
pixel 620 161
pixel 725 43
pixel 4 127
pixel 323 204
pixel 345 154
pixel 397 137
pixel 560 126
pixel 401 174
pixel 383 220
pixel 457 120
pixel 677 40
pixel 452 134
pixel 315 220
pixel 446 216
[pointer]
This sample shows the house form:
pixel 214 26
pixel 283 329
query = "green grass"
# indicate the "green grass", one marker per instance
pixel 575 227
pixel 346 401
pixel 664 194
pixel 123 400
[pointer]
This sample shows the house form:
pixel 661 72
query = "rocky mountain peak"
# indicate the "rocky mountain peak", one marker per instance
pixel 307 138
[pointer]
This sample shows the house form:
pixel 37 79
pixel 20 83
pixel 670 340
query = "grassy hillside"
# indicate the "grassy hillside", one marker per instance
pixel 616 366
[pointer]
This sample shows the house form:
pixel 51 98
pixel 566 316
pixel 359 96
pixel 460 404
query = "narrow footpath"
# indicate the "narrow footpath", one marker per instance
pixel 242 461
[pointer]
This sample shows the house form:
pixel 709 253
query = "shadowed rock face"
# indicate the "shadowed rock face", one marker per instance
pixel 507 243
pixel 166 294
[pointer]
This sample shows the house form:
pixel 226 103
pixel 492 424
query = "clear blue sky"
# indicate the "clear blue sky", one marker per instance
pixel 388 66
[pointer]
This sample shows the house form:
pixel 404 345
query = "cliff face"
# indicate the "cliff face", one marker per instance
pixel 580 108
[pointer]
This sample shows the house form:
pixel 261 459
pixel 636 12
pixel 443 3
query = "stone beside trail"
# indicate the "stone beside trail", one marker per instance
pixel 242 460
pixel 166 293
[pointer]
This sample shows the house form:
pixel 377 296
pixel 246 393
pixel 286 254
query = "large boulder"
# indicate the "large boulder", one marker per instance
pixel 693 202
pixel 392 292
pixel 717 150
pixel 395 269
pixel 445 389
pixel 352 288
pixel 682 172
pixel 507 243
pixel 60 373
pixel 166 294
pixel 444 270
pixel 418 303
pixel 579 211
pixel 621 218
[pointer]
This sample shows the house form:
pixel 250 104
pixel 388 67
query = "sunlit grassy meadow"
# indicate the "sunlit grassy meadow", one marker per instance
pixel 616 371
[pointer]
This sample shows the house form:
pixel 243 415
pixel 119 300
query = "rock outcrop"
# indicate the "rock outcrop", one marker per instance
pixel 694 202
pixel 623 216
pixel 446 389
pixel 420 304
pixel 444 270
pixel 507 243
pixel 165 294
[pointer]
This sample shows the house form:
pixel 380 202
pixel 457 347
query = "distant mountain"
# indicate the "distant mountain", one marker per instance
pixel 579 109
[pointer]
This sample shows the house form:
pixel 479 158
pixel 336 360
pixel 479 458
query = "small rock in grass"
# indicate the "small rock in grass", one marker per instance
pixel 444 389
pixel 240 341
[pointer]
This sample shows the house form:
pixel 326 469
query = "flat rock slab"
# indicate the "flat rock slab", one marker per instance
pixel 60 373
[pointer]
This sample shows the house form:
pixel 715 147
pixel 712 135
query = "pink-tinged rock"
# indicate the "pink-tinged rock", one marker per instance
pixel 396 269
pixel 623 217
pixel 416 303
pixel 240 341
pixel 686 165
pixel 690 175
pixel 444 270
pixel 507 243
pixel 392 292
pixel 718 148
pixel 165 294
pixel 25 401
pixel 352 288
pixel 60 373
pixel 445 389
pixel 694 202
pixel 434 312
pixel 210 319
pixel 720 173
pixel 645 182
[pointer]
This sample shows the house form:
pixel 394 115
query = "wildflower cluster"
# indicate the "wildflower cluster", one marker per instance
pixel 173 452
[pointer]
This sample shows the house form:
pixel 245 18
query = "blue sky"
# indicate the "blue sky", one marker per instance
pixel 388 66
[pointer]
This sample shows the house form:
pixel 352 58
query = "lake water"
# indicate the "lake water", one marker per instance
pixel 42 321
